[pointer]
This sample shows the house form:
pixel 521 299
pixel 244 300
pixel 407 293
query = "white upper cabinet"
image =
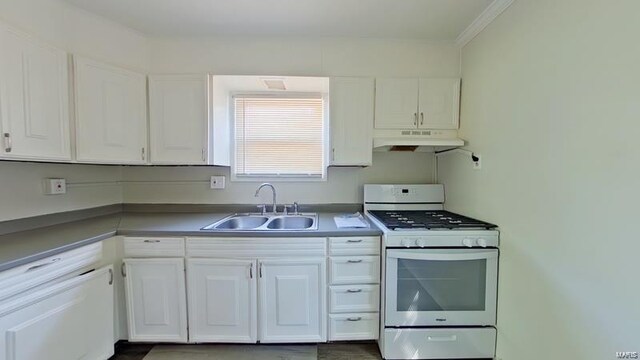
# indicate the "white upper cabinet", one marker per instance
pixel 292 304
pixel 34 99
pixel 411 103
pixel 111 117
pixel 396 103
pixel 179 119
pixel 351 120
pixel 439 103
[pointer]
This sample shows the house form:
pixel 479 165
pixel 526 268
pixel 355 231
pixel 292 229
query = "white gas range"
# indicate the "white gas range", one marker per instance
pixel 440 276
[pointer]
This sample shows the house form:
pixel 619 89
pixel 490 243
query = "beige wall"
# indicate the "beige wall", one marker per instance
pixel 304 57
pixel 343 185
pixel 552 102
pixel 21 188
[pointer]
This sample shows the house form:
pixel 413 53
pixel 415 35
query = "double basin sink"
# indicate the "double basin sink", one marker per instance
pixel 265 222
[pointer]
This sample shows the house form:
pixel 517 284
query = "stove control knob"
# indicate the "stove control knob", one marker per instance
pixel 481 242
pixel 467 242
pixel 421 242
pixel 408 242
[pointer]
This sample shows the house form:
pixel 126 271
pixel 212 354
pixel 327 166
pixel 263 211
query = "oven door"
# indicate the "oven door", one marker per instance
pixel 441 287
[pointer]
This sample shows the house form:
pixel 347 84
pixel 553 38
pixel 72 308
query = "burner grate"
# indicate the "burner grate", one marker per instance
pixel 427 220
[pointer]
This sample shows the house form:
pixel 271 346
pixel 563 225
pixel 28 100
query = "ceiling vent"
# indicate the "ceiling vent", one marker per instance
pixel 275 84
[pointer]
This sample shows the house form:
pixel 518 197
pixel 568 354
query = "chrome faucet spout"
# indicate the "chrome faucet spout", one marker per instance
pixel 273 189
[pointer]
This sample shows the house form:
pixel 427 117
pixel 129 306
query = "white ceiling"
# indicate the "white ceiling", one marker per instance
pixel 417 19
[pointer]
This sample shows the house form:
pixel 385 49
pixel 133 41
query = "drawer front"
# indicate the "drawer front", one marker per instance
pixel 355 270
pixel 29 276
pixel 355 326
pixel 439 343
pixel 255 247
pixel 153 247
pixel 354 298
pixel 363 245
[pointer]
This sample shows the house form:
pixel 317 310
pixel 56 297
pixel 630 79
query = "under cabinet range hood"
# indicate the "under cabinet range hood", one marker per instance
pixel 415 140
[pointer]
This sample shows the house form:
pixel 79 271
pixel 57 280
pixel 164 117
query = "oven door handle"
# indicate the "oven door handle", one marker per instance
pixel 449 256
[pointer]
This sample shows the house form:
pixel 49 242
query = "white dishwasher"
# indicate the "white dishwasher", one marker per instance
pixel 58 308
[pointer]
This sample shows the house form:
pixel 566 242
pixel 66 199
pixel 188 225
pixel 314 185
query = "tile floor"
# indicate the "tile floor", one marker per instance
pixel 333 351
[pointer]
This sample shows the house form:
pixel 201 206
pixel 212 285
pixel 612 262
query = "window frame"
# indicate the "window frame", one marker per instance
pixel 280 178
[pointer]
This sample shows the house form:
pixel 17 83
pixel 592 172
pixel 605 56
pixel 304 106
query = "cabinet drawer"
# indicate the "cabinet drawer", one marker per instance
pixel 153 247
pixel 356 326
pixel 363 245
pixel 354 298
pixel 355 270
pixel 29 276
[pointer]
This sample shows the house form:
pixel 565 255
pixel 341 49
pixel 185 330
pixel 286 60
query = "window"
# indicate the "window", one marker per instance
pixel 279 136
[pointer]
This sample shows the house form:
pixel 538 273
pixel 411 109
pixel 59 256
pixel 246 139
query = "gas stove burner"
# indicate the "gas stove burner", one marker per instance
pixel 428 220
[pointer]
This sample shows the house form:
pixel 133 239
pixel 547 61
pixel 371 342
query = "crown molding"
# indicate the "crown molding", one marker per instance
pixel 482 21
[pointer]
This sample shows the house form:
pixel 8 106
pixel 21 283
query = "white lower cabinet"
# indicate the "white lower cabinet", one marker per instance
pixel 292 304
pixel 354 291
pixel 222 300
pixel 71 320
pixel 156 299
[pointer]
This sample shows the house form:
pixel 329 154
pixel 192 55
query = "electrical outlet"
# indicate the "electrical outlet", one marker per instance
pixel 217 182
pixel 55 186
pixel 477 162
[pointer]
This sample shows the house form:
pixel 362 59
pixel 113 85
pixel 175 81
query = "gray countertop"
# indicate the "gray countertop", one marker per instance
pixel 22 247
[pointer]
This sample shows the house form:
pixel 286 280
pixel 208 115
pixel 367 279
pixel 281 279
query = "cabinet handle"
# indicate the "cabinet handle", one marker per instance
pixel 122 271
pixel 333 154
pixel 204 158
pixel 43 265
pixel 354 318
pixel 354 261
pixel 354 290
pixel 415 119
pixel 354 241
pixel 152 241
pixel 110 276
pixel 261 270
pixel 143 154
pixel 7 142
pixel 251 271
pixel 421 118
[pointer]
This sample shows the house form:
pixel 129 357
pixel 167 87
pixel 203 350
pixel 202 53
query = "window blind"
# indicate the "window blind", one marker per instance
pixel 279 136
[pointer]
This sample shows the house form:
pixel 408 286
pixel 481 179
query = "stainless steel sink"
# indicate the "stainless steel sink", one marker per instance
pixel 291 223
pixel 267 222
pixel 242 223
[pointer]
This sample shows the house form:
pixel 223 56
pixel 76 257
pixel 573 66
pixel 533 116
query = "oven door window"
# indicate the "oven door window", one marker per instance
pixel 424 285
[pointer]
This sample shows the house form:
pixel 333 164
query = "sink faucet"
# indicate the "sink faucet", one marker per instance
pixel 274 194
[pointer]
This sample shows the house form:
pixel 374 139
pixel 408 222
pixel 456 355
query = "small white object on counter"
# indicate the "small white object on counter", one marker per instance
pixel 355 220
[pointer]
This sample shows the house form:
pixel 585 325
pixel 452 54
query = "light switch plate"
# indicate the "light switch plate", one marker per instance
pixel 55 186
pixel 217 182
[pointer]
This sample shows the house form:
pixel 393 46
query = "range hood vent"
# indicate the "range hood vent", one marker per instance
pixel 415 140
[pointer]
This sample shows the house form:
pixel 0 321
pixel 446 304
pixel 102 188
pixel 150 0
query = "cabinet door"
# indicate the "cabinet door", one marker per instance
pixel 396 103
pixel 34 99
pixel 292 304
pixel 439 103
pixel 156 299
pixel 71 320
pixel 351 119
pixel 179 119
pixel 222 300
pixel 111 122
